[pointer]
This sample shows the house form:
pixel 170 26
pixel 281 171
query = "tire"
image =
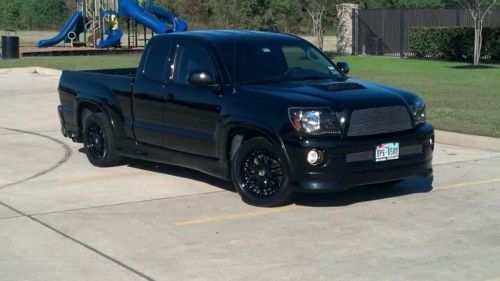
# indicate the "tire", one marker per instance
pixel 99 141
pixel 259 174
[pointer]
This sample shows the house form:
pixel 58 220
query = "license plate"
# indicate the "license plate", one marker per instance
pixel 386 152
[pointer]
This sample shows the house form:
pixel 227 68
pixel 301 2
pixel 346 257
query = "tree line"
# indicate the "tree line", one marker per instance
pixel 32 14
pixel 280 15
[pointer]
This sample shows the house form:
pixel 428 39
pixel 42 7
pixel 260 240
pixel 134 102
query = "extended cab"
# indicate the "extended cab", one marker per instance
pixel 268 111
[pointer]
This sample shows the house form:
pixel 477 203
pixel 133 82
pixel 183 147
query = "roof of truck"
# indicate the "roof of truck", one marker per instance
pixel 219 36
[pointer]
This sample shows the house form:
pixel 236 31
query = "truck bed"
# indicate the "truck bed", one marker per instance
pixel 112 87
pixel 129 72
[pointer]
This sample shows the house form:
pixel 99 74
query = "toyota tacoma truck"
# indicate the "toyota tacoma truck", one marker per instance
pixel 267 111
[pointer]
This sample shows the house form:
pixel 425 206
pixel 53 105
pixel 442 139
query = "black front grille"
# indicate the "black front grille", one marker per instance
pixel 379 120
pixel 359 156
pixel 411 149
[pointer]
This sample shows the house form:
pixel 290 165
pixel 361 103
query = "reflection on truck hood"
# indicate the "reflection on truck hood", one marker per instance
pixel 351 93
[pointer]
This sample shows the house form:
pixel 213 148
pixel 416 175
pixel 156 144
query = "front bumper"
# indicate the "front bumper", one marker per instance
pixel 351 162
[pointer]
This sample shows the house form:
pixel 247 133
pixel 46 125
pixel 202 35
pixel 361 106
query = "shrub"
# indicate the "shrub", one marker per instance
pixel 32 14
pixel 491 45
pixel 456 43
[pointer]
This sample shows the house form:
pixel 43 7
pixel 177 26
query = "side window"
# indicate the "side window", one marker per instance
pixel 192 58
pixel 157 67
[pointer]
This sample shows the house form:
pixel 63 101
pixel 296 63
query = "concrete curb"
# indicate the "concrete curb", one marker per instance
pixel 471 141
pixel 41 70
pixel 48 71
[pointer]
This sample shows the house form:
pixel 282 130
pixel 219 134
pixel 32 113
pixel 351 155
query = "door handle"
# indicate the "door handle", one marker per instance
pixel 170 98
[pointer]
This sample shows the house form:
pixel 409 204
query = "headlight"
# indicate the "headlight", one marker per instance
pixel 418 111
pixel 315 121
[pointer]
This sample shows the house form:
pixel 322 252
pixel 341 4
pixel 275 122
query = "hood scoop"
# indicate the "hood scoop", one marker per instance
pixel 337 87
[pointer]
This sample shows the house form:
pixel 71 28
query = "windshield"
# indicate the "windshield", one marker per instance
pixel 276 61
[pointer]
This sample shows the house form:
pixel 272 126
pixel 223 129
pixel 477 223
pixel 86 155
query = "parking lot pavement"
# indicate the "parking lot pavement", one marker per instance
pixel 62 219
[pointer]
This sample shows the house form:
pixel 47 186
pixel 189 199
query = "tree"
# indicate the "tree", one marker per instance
pixel 252 13
pixel 71 5
pixel 316 10
pixel 477 9
pixel 198 10
pixel 287 15
pixel 224 12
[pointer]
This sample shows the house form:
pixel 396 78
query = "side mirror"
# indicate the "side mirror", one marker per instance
pixel 201 79
pixel 343 66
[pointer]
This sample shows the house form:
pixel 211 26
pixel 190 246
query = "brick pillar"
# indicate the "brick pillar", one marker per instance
pixel 345 16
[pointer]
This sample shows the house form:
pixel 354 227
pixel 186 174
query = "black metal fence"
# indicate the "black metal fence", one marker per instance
pixel 385 31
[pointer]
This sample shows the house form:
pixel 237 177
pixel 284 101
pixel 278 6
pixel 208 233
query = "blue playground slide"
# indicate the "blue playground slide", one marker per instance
pixel 71 25
pixel 132 9
pixel 178 23
pixel 113 39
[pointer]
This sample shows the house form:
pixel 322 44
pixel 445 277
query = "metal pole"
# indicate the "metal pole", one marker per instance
pixel 101 18
pixel 128 31
pixel 96 20
pixel 136 30
pixel 84 13
pixel 401 32
pixel 354 49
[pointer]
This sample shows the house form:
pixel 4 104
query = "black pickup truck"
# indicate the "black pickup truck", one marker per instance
pixel 268 111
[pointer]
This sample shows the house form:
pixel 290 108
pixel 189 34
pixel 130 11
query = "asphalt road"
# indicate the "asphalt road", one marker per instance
pixel 63 219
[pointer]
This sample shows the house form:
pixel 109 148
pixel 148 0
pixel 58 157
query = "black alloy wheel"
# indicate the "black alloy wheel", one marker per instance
pixel 259 175
pixel 95 142
pixel 99 141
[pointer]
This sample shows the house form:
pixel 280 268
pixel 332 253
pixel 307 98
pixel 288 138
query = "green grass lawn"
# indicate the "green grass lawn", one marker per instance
pixel 75 62
pixel 458 98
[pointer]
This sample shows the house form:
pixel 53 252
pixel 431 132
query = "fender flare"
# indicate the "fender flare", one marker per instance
pixel 264 129
pixel 113 118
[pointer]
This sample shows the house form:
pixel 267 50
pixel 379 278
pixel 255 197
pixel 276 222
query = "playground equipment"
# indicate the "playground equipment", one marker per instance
pixel 95 19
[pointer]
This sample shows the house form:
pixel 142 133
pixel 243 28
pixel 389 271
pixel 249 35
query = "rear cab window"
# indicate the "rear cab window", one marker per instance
pixel 157 66
pixel 192 58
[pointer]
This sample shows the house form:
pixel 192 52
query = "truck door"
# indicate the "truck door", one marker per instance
pixel 149 93
pixel 192 113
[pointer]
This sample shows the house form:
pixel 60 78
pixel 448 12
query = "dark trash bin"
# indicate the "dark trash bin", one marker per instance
pixel 377 46
pixel 10 45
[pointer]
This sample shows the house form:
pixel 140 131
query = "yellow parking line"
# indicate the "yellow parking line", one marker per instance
pixel 265 212
pixel 240 215
pixel 464 184
pixel 103 177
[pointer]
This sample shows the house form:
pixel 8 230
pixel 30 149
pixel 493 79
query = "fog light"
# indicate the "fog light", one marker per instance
pixel 315 157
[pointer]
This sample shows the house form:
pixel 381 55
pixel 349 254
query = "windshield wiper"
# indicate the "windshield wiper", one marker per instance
pixel 264 81
pixel 311 78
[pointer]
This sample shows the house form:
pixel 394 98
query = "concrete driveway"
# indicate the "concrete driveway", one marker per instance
pixel 63 219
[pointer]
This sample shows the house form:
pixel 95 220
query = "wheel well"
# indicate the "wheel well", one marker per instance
pixel 81 109
pixel 86 106
pixel 238 136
